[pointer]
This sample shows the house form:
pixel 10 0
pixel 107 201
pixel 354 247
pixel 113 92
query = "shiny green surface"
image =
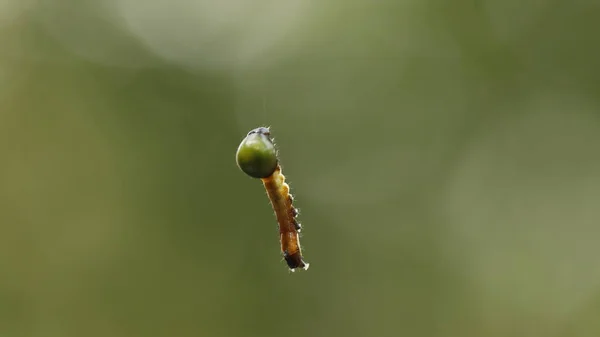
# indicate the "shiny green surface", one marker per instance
pixel 444 156
pixel 256 155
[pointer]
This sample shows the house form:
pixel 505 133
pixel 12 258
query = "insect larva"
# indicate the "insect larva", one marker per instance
pixel 257 157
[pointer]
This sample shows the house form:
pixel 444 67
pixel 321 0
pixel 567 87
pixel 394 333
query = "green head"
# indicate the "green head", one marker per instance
pixel 256 155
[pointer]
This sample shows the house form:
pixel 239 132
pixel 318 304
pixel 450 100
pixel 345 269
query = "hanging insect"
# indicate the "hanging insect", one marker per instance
pixel 257 157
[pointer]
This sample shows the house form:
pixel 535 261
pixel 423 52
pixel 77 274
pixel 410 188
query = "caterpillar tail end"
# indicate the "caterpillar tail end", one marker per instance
pixel 294 261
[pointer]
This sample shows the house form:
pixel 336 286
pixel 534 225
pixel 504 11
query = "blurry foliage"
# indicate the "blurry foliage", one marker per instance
pixel 445 156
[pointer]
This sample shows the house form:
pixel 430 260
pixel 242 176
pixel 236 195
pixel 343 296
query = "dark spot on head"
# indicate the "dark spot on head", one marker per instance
pixel 261 130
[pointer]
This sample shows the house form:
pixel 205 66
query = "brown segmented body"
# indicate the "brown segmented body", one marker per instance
pixel 281 200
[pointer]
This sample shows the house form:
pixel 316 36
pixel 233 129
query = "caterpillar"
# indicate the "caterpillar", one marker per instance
pixel 257 157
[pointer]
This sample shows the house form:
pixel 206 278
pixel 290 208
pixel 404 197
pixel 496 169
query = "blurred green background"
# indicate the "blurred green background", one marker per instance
pixel 445 156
